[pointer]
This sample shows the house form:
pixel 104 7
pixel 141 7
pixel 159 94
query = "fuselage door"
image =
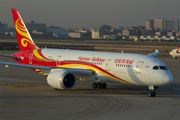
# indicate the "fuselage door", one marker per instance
pixel 58 60
pixel 108 64
pixel 139 66
pixel 30 58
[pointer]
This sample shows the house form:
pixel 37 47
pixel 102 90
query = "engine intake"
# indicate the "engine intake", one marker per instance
pixel 61 79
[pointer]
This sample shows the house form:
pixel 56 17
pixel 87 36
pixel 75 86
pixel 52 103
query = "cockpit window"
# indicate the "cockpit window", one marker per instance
pixel 160 67
pixel 163 67
pixel 156 68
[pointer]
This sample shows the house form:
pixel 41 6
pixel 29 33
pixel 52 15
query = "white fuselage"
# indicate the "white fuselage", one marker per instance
pixel 174 53
pixel 136 69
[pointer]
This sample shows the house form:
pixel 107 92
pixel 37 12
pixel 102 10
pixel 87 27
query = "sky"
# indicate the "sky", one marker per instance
pixel 90 13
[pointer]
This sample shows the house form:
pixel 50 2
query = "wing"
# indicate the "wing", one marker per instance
pixel 39 67
pixel 154 54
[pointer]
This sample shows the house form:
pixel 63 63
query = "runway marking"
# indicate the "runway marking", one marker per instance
pixel 174 105
pixel 144 91
pixel 6 84
pixel 167 93
pixel 17 85
pixel 11 85
pixel 21 86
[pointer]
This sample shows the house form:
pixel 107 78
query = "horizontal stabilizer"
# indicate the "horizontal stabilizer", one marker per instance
pixel 2 55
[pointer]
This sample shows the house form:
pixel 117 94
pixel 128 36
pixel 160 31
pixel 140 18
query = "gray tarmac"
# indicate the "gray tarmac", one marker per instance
pixel 25 95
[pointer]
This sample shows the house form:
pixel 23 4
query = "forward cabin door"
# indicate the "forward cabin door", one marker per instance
pixel 58 60
pixel 139 66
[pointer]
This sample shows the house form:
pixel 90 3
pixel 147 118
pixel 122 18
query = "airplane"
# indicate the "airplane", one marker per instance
pixel 63 67
pixel 175 53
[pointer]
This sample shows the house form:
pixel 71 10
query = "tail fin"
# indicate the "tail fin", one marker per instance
pixel 177 49
pixel 25 41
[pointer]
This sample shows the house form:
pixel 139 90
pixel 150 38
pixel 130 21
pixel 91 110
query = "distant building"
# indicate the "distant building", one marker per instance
pixel 35 26
pixel 148 32
pixel 171 33
pixel 129 32
pixel 54 29
pixel 13 34
pixel 37 32
pixel 105 34
pixel 173 25
pixel 3 27
pixel 64 35
pixel 178 33
pixel 149 24
pixel 160 23
pixel 115 31
pixel 95 34
pixel 162 33
pixel 75 34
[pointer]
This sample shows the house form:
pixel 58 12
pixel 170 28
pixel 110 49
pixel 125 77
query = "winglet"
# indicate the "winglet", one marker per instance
pixel 154 54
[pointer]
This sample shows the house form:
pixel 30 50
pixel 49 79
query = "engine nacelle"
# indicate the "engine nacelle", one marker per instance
pixel 61 79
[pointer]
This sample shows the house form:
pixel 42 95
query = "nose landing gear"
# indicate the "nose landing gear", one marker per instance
pixel 99 85
pixel 152 93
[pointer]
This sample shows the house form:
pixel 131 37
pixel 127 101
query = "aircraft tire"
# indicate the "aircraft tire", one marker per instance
pixel 99 85
pixel 94 85
pixel 104 85
pixel 152 94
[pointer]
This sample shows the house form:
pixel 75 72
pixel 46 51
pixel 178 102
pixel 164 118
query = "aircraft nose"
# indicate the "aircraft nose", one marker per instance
pixel 167 78
pixel 170 53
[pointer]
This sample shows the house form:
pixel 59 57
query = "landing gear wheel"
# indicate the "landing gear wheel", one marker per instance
pixel 99 85
pixel 94 85
pixel 55 89
pixel 104 85
pixel 152 94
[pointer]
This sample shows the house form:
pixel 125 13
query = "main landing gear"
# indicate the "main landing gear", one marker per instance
pixel 152 93
pixel 99 85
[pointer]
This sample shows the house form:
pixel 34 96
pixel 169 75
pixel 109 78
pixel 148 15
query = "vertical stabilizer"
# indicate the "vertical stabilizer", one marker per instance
pixel 25 41
pixel 177 49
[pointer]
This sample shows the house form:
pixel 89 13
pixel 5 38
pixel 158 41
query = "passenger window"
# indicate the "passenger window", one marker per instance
pixel 163 67
pixel 156 68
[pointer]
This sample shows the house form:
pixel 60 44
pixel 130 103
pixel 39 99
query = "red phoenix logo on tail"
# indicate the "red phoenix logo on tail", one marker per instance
pixel 25 41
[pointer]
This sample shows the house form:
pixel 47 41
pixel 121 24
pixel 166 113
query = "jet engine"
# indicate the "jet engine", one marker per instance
pixel 61 79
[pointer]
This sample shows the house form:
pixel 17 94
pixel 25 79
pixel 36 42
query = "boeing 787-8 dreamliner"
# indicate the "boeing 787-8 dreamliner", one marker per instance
pixel 64 67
